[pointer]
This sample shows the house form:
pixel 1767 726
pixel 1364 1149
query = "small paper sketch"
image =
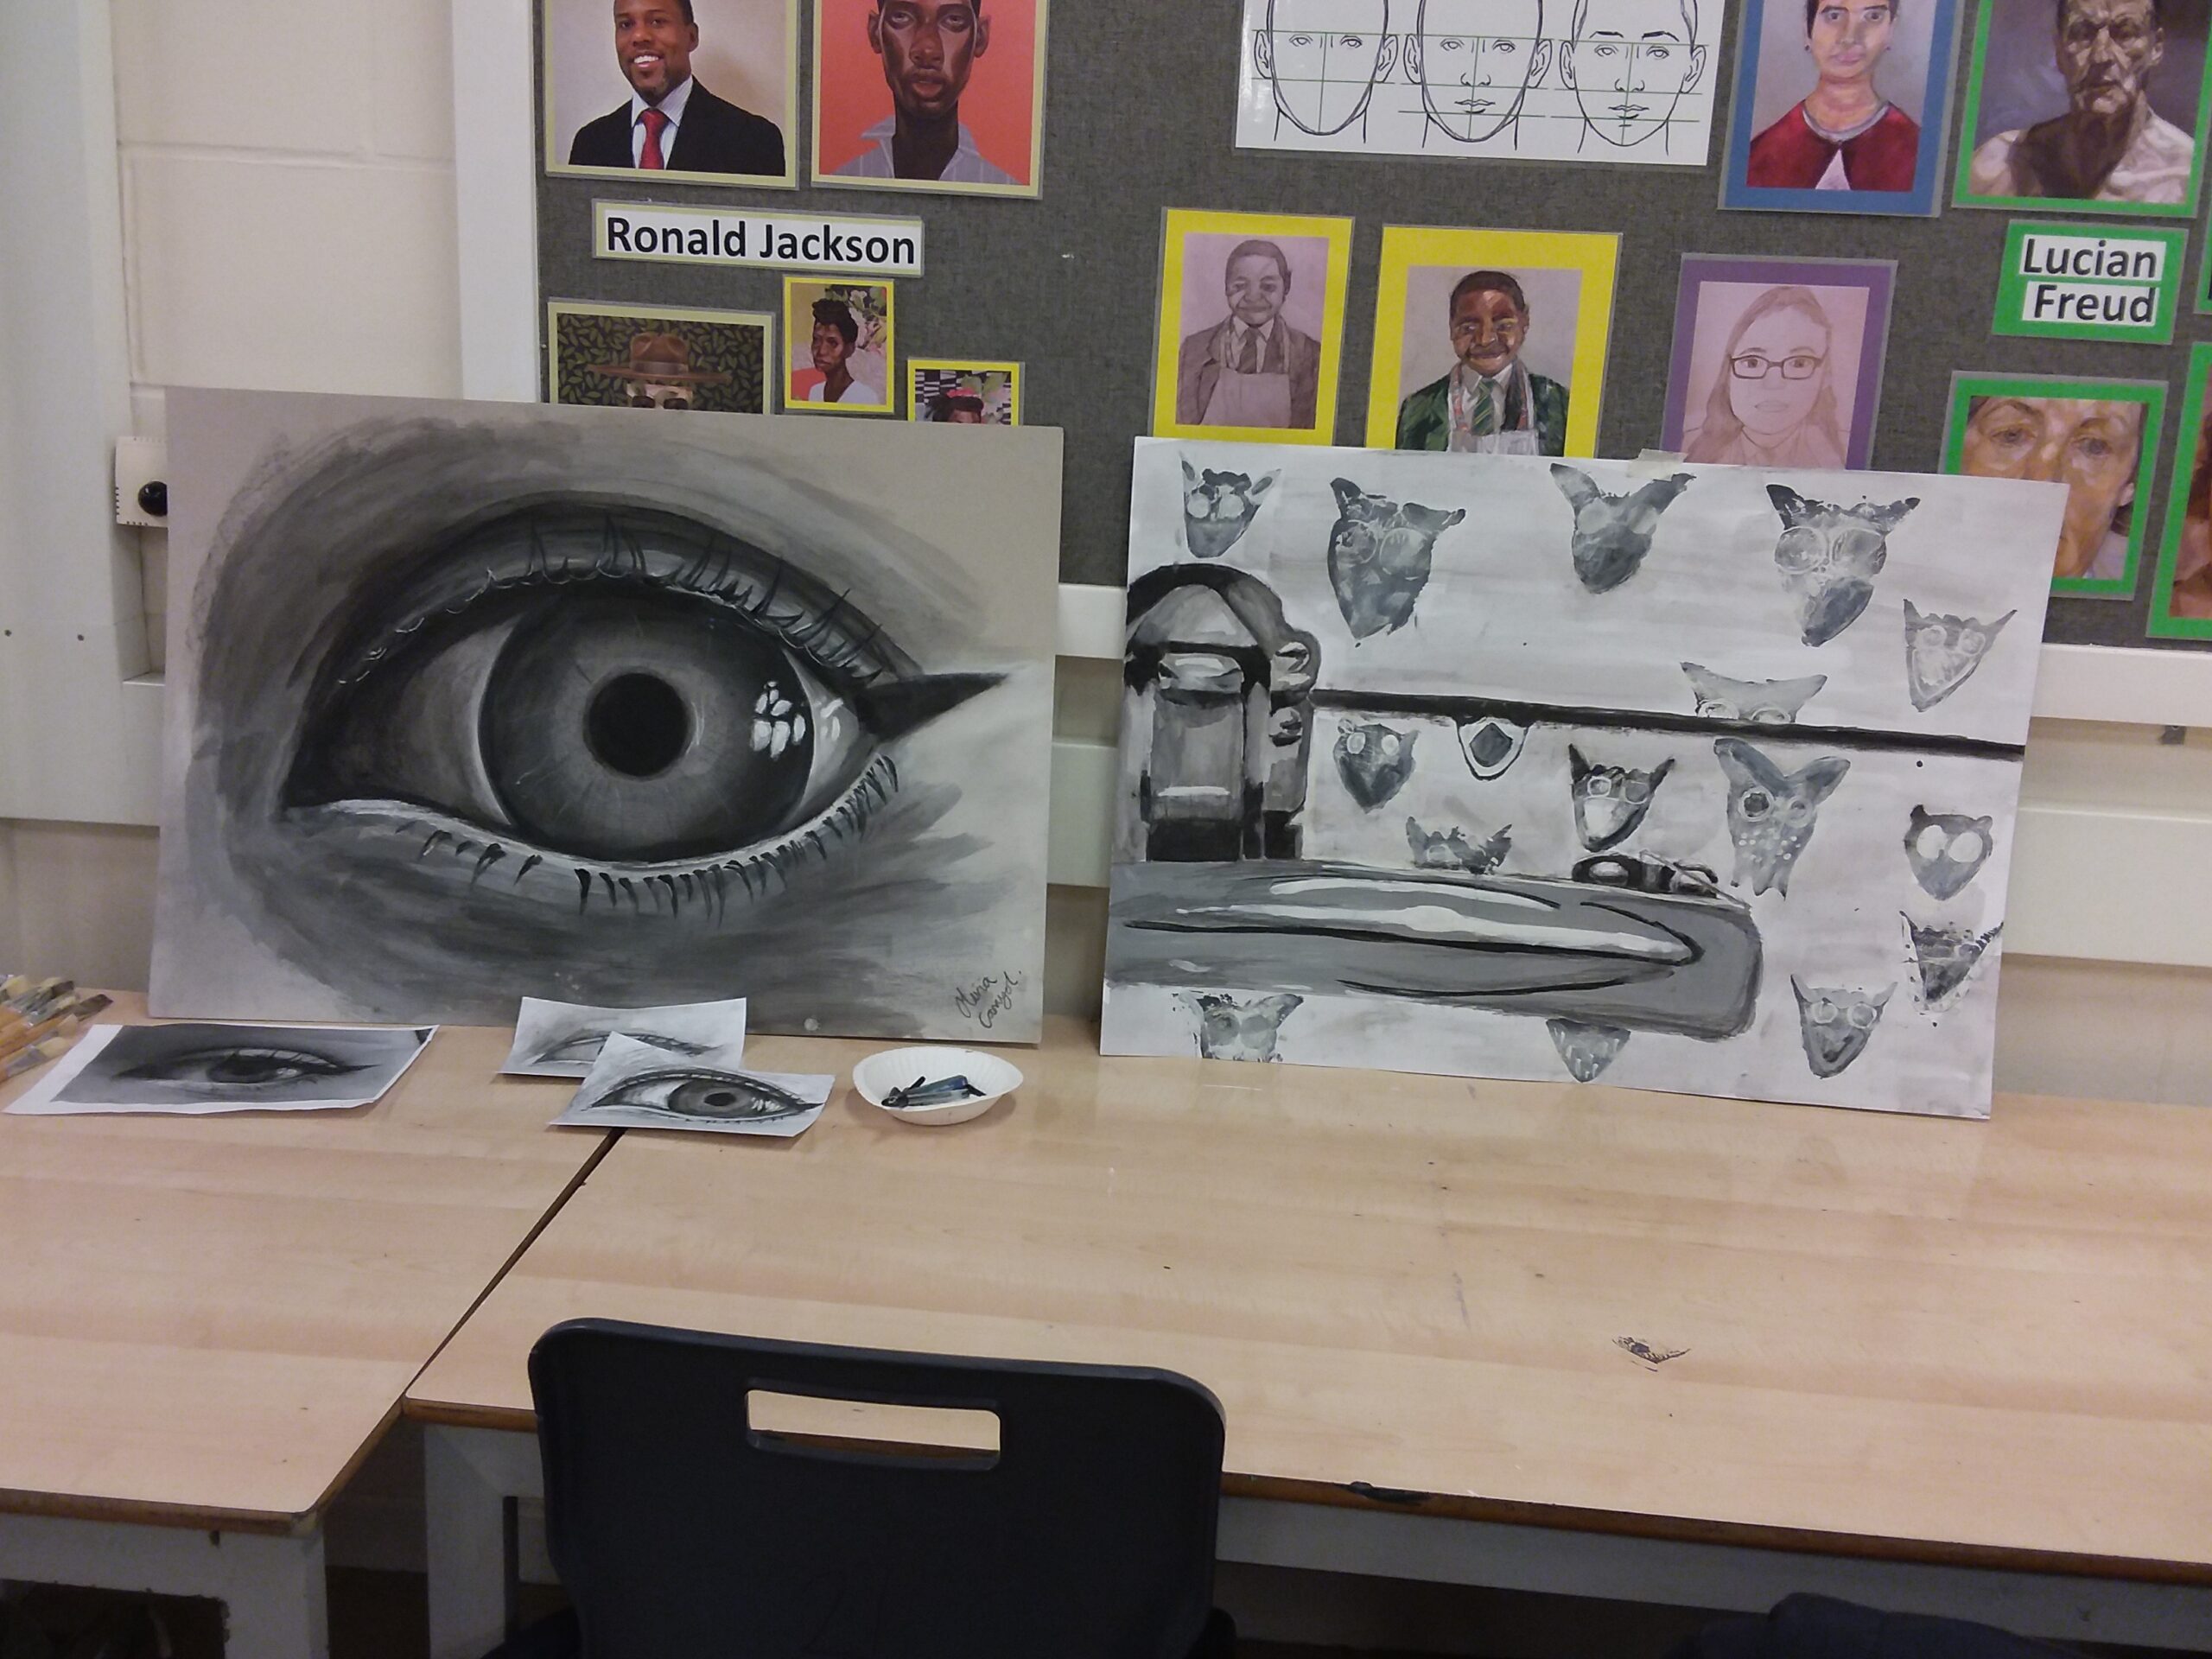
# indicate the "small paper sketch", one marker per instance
pixel 1218 508
pixel 562 1039
pixel 1590 80
pixel 1667 855
pixel 635 1086
pixel 197 1070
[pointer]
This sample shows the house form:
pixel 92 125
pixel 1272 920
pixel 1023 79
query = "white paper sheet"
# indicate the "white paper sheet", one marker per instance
pixel 1623 81
pixel 636 1086
pixel 562 1039
pixel 199 1070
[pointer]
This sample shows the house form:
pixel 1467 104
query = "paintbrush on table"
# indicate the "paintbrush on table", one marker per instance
pixel 20 1025
pixel 36 1055
pixel 40 996
pixel 63 1023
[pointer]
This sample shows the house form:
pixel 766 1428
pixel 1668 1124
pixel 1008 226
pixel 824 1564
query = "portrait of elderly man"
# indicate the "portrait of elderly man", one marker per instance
pixel 1324 60
pixel 2109 144
pixel 929 50
pixel 1490 403
pixel 1630 62
pixel 1475 62
pixel 673 123
pixel 2093 446
pixel 1252 368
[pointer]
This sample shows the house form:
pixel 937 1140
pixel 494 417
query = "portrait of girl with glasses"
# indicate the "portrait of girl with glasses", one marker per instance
pixel 1774 399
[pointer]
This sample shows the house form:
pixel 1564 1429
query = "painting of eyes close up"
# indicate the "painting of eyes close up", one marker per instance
pixel 637 1085
pixel 491 701
pixel 197 1069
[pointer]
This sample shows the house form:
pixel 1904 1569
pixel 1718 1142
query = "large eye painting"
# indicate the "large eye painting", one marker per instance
pixel 653 702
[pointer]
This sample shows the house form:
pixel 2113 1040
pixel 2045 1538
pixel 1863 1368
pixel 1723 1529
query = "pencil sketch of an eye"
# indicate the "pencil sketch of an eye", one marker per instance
pixel 599 684
pixel 233 1068
pixel 688 1094
pixel 582 1048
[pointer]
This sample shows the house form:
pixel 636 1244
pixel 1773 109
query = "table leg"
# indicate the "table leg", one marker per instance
pixel 471 1477
pixel 272 1588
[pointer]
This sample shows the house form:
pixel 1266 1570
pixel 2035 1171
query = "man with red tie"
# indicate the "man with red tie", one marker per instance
pixel 673 123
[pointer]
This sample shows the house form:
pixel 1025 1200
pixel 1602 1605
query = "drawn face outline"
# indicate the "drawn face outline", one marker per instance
pixel 1630 63
pixel 1324 58
pixel 1836 1023
pixel 1475 62
pixel 1256 288
pixel 1761 393
pixel 1946 850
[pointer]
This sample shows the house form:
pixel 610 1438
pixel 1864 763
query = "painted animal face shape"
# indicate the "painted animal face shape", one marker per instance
pixel 1764 702
pixel 1610 802
pixel 1234 1029
pixel 1218 508
pixel 1771 813
pixel 1946 850
pixel 1946 956
pixel 1374 760
pixel 1450 849
pixel 1380 552
pixel 1587 1050
pixel 1491 744
pixel 1942 652
pixel 1829 557
pixel 1836 1024
pixel 1613 532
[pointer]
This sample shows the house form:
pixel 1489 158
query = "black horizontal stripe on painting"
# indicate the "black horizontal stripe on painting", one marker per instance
pixel 1638 720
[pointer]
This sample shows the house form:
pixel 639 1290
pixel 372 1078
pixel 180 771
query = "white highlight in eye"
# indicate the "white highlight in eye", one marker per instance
pixel 776 722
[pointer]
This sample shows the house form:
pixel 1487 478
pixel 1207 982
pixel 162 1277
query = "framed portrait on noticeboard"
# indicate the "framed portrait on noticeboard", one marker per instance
pixel 963 392
pixel 1490 341
pixel 1841 106
pixel 2100 438
pixel 937 95
pixel 1779 362
pixel 699 92
pixel 2086 107
pixel 670 358
pixel 841 351
pixel 1251 327
pixel 2180 594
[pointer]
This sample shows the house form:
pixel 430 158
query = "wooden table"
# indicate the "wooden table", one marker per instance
pixel 1964 1366
pixel 206 1322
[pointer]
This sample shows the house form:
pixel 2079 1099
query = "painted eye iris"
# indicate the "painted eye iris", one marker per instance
pixel 615 685
pixel 1968 849
pixel 240 1068
pixel 1755 803
pixel 1636 791
pixel 1822 1013
pixel 1389 746
pixel 1721 710
pixel 1930 842
pixel 1861 1017
pixel 722 1096
pixel 1769 715
pixel 1355 743
pixel 1599 787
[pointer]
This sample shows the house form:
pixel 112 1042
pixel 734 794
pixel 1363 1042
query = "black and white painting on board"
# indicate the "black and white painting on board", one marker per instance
pixel 472 702
pixel 562 1039
pixel 1693 754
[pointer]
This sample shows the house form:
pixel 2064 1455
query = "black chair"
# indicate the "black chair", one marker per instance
pixel 1820 1627
pixel 678 1528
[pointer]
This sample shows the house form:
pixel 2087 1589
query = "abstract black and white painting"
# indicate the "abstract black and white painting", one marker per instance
pixel 472 702
pixel 1658 829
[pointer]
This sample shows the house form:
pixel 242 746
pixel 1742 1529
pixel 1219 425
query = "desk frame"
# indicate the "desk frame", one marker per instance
pixel 270 1585
pixel 477 1478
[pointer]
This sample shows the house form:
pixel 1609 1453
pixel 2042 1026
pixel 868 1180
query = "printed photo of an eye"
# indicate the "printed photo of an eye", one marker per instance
pixel 582 1048
pixel 623 689
pixel 240 1068
pixel 684 1093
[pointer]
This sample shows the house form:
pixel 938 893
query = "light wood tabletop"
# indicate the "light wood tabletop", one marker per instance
pixel 1928 1340
pixel 207 1321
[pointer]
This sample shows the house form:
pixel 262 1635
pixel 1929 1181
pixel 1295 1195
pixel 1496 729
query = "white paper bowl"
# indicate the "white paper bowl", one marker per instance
pixel 896 1068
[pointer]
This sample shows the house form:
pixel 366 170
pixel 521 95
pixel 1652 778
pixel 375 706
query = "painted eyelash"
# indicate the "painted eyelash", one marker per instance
pixel 712 573
pixel 708 884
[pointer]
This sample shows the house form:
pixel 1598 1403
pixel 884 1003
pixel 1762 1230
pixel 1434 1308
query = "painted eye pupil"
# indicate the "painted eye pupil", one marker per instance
pixel 637 724
pixel 1756 803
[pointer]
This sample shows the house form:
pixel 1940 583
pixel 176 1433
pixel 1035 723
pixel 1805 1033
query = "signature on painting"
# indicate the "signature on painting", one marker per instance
pixel 987 998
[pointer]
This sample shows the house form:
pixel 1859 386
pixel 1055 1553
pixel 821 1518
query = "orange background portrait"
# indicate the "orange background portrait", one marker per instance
pixel 998 107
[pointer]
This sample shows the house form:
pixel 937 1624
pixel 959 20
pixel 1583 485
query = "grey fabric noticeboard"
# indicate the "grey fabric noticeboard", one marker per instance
pixel 1140 114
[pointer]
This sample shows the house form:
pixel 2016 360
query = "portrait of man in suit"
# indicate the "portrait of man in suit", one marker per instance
pixel 1489 401
pixel 671 123
pixel 1251 368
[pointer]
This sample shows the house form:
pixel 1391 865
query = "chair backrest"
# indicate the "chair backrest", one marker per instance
pixel 679 1528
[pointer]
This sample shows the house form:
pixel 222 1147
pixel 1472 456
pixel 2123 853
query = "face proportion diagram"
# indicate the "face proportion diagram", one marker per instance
pixel 1324 58
pixel 1630 63
pixel 1475 62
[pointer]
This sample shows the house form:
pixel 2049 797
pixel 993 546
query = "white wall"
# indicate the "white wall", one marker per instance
pixel 288 222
